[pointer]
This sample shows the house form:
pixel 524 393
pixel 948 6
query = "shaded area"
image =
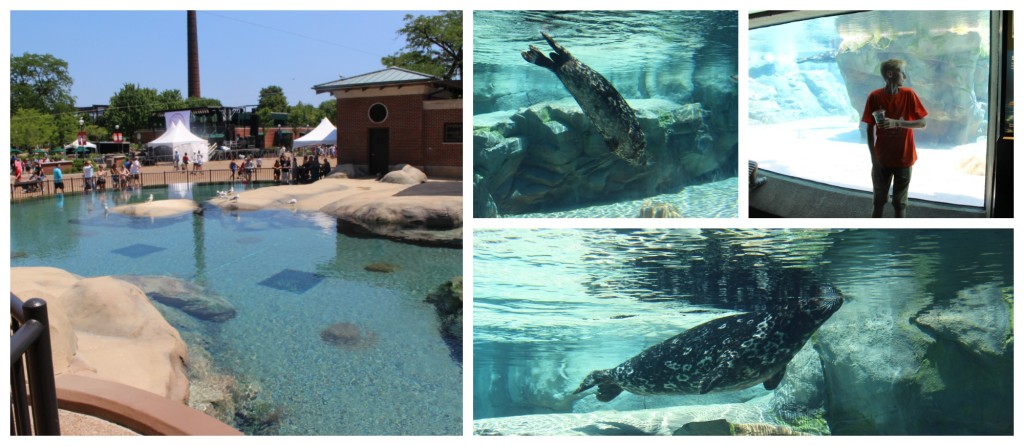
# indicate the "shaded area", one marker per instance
pixel 293 281
pixel 137 250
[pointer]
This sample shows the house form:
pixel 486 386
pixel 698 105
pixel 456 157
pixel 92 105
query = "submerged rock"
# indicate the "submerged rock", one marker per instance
pixel 724 427
pixel 185 296
pixel 658 209
pixel 447 301
pixel 348 336
pixel 381 267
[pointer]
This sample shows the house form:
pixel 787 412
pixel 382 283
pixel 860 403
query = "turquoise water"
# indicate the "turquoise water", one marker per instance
pixel 683 58
pixel 406 383
pixel 716 199
pixel 552 305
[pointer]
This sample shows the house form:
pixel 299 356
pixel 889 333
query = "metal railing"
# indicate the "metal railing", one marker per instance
pixel 33 391
pixel 26 189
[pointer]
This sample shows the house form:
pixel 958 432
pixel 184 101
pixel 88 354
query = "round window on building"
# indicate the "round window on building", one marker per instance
pixel 378 113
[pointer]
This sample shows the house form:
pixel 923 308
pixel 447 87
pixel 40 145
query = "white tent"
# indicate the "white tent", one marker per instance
pixel 324 133
pixel 74 145
pixel 179 138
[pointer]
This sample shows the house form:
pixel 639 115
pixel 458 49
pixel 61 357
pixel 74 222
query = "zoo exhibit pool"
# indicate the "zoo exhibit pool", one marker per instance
pixel 550 306
pixel 406 382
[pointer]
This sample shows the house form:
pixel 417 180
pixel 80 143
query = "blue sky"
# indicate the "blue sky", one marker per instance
pixel 240 52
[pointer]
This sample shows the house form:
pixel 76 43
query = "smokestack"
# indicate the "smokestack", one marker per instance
pixel 193 56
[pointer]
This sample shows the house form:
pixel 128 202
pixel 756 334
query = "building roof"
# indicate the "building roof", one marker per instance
pixel 387 76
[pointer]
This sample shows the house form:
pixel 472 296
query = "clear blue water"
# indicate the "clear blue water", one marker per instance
pixel 406 383
pixel 680 56
pixel 552 305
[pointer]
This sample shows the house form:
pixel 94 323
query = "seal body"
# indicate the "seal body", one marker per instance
pixel 613 118
pixel 728 353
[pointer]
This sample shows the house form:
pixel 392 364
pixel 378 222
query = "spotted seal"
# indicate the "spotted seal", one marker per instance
pixel 613 118
pixel 728 353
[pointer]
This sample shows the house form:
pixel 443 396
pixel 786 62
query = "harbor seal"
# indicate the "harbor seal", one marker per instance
pixel 728 353
pixel 613 118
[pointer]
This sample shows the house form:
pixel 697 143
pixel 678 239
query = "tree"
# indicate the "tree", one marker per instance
pixel 329 110
pixel 191 102
pixel 40 82
pixel 170 100
pixel 433 45
pixel 303 115
pixel 132 107
pixel 31 128
pixel 272 100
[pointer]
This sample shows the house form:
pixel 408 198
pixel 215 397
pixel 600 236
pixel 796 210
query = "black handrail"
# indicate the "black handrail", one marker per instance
pixel 32 370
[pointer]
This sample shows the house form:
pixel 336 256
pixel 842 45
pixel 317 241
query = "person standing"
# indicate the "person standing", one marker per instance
pixel 136 171
pixel 177 159
pixel 58 180
pixel 87 175
pixel 891 113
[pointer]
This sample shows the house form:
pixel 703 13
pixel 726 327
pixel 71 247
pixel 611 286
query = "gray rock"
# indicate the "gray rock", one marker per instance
pixel 183 295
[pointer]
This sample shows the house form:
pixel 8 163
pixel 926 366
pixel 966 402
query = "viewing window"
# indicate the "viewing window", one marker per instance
pixel 809 81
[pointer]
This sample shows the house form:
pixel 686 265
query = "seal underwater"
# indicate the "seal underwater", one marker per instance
pixel 728 353
pixel 613 118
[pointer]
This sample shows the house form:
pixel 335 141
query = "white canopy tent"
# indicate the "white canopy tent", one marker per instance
pixel 181 139
pixel 324 133
pixel 74 145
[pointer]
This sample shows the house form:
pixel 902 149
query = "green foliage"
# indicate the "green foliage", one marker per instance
pixel 97 133
pixel 433 45
pixel 170 100
pixel 201 102
pixel 272 100
pixel 132 107
pixel 329 110
pixel 303 115
pixel 40 82
pixel 31 128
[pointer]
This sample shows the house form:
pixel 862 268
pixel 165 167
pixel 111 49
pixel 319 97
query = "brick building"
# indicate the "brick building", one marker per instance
pixel 397 116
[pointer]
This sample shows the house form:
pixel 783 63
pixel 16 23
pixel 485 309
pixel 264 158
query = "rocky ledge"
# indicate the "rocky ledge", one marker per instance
pixel 425 213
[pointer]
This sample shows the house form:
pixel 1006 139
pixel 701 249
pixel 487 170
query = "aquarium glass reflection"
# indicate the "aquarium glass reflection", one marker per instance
pixel 809 81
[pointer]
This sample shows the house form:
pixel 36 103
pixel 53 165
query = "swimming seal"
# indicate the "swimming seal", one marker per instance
pixel 728 353
pixel 613 118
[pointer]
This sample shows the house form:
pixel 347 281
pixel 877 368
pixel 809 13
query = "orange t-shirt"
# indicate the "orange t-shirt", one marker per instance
pixel 894 147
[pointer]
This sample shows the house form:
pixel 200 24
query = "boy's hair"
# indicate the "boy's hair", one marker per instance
pixel 891 65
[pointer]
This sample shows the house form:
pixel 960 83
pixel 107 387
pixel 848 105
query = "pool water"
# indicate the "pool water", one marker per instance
pixel 289 276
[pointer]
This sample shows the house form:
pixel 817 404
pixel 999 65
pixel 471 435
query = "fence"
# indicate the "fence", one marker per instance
pixel 32 370
pixel 28 189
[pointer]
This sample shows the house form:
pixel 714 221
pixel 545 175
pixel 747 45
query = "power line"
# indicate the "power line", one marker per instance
pixel 315 39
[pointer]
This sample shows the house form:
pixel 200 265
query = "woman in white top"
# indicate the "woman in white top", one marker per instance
pixel 134 171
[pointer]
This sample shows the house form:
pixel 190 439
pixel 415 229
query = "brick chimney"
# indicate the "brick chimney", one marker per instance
pixel 193 56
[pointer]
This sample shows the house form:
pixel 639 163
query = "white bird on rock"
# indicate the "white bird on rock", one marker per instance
pixel 150 199
pixel 234 198
pixel 293 201
pixel 231 190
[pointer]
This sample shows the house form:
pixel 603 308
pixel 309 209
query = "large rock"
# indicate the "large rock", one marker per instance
pixel 111 328
pixel 447 301
pixel 158 209
pixel 918 367
pixel 405 175
pixel 953 93
pixel 549 154
pixel 185 296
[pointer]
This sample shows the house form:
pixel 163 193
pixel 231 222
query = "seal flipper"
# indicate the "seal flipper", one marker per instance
pixel 554 45
pixel 773 382
pixel 594 378
pixel 608 391
pixel 538 58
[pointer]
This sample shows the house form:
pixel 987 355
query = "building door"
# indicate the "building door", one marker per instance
pixel 378 146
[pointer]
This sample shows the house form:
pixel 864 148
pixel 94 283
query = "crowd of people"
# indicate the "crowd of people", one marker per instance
pixel 288 168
